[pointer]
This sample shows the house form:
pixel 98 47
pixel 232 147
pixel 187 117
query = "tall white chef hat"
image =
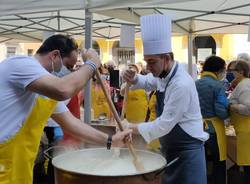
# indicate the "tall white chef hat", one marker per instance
pixel 156 34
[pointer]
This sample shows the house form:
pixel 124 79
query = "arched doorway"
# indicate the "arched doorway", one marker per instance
pixel 122 55
pixel 203 46
pixel 95 46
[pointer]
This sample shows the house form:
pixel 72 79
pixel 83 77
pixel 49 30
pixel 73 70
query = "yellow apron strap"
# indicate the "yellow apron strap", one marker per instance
pixel 152 107
pixel 17 155
pixel 205 124
pixel 242 129
pixel 219 127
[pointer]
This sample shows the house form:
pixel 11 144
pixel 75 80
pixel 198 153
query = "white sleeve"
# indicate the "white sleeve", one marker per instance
pixel 60 108
pixel 175 106
pixel 244 97
pixel 244 110
pixel 244 102
pixel 233 98
pixel 147 82
pixel 25 70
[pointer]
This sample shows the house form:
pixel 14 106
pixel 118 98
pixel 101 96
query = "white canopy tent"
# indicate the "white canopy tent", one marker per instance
pixel 28 19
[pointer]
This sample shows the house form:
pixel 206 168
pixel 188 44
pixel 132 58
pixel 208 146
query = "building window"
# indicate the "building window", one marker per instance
pixel 11 51
pixel 30 52
pixel 123 55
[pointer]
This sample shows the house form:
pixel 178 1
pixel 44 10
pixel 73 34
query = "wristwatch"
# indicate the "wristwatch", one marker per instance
pixel 109 142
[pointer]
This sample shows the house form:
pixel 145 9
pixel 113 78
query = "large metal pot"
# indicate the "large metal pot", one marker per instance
pixel 99 166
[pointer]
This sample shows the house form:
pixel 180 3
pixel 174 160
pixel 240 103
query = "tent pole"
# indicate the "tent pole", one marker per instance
pixel 88 44
pixel 190 47
pixel 190 50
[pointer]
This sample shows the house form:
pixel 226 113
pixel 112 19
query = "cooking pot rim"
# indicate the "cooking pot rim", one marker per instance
pixel 106 175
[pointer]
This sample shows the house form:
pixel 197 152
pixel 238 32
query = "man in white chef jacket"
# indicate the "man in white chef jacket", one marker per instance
pixel 179 122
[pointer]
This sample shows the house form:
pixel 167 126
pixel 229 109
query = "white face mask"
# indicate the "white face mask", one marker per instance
pixel 63 71
pixel 53 66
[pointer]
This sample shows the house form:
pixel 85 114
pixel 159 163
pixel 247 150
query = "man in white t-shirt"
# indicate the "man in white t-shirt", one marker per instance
pixel 24 113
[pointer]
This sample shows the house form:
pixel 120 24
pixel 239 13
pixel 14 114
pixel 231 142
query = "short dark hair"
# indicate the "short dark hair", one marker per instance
pixel 242 66
pixel 214 64
pixel 171 54
pixel 63 43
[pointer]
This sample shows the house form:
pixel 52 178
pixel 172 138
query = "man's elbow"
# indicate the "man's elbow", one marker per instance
pixel 63 93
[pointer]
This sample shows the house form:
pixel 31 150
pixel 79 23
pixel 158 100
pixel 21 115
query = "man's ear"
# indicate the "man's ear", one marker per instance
pixel 168 57
pixel 54 54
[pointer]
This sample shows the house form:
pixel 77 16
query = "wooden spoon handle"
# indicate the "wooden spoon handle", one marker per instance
pixel 125 101
pixel 117 118
pixel 111 105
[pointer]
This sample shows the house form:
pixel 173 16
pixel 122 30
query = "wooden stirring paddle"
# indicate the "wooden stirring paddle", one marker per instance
pixel 125 101
pixel 138 164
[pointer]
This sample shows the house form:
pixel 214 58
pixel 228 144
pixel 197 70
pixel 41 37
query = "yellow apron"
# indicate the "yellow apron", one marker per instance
pixel 242 129
pixel 17 155
pixel 220 134
pixel 152 107
pixel 137 106
pixel 99 102
pixel 155 144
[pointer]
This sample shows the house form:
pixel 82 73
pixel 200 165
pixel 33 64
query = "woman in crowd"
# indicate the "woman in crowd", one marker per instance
pixel 240 116
pixel 99 102
pixel 214 105
pixel 137 102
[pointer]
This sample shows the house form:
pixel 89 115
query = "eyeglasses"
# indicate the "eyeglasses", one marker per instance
pixel 232 70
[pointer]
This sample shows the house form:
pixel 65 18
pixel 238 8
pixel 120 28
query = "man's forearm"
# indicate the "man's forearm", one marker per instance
pixel 146 82
pixel 78 79
pixel 80 130
pixel 86 133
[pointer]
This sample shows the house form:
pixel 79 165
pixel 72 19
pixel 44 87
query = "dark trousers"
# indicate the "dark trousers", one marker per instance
pixel 41 175
pixel 49 131
pixel 246 174
pixel 212 154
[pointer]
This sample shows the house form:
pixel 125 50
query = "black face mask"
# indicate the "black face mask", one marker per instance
pixel 230 77
pixel 163 74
